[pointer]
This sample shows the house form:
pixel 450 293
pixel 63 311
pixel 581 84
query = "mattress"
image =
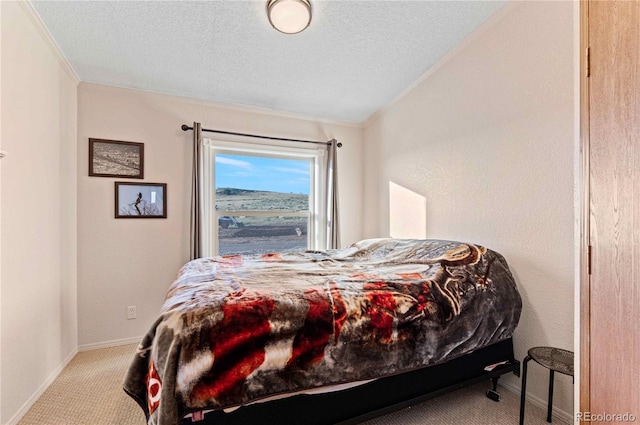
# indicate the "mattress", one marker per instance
pixel 237 329
pixel 310 391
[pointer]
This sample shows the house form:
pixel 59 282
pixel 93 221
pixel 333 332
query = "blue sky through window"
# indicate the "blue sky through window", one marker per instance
pixel 260 173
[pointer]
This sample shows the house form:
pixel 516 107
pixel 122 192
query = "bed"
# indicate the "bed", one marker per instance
pixel 402 319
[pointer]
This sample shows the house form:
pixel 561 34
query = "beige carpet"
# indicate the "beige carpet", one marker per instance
pixel 89 392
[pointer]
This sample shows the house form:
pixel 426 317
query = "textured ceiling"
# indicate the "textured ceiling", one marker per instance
pixel 355 58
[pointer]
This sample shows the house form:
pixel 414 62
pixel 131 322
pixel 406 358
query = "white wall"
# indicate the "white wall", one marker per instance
pixel 38 222
pixel 482 148
pixel 132 262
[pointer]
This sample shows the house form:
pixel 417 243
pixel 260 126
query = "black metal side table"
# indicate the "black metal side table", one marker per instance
pixel 554 359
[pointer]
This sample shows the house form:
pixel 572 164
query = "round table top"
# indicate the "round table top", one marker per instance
pixel 552 358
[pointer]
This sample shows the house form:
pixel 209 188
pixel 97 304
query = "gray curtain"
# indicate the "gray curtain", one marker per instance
pixel 333 224
pixel 196 193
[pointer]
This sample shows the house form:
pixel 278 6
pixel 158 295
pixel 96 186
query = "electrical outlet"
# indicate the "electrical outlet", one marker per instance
pixel 131 312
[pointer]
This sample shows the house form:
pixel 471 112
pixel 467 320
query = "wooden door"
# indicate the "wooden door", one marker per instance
pixel 613 332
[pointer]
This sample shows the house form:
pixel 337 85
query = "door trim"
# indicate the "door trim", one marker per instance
pixel 585 281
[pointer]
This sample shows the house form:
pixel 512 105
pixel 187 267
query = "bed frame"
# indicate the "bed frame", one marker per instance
pixel 377 398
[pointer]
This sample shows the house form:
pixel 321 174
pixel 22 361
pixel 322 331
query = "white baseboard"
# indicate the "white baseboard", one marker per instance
pixel 537 401
pixel 86 347
pixel 107 344
pixel 36 395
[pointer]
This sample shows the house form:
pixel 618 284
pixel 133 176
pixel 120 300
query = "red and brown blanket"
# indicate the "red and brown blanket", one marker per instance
pixel 236 329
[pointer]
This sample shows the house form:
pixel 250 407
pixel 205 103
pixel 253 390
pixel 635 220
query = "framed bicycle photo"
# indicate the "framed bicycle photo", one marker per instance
pixel 140 200
pixel 111 158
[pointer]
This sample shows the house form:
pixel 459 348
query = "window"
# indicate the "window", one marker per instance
pixel 261 199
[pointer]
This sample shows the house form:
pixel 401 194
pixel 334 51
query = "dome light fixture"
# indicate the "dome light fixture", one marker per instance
pixel 289 16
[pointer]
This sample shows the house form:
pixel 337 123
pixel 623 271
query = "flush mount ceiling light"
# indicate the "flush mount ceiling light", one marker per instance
pixel 289 16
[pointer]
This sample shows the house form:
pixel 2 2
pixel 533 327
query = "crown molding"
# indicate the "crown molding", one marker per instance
pixel 31 12
pixel 496 17
pixel 234 106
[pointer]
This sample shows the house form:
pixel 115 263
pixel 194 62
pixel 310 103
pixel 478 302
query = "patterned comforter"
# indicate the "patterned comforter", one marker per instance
pixel 235 329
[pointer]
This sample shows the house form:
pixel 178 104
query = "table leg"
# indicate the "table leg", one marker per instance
pixel 523 390
pixel 550 404
pixel 494 381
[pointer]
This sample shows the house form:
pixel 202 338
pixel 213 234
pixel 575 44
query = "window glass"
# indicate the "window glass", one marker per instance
pixel 262 203
pixel 262 183
pixel 261 235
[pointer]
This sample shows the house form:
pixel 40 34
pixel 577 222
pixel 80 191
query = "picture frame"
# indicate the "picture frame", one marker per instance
pixel 140 200
pixel 114 158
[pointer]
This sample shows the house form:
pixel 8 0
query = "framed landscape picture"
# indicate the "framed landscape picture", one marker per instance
pixel 112 158
pixel 141 200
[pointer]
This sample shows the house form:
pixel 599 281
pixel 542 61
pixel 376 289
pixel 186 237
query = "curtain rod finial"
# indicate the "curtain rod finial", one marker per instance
pixel 185 127
pixel 339 144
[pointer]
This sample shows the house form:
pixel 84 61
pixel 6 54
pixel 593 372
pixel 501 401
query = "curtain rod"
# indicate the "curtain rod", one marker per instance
pixel 187 128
